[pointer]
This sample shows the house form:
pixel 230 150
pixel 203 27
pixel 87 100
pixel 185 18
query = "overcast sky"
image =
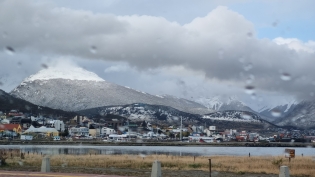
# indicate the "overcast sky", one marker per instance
pixel 190 49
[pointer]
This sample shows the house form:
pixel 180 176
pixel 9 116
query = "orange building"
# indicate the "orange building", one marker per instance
pixel 11 127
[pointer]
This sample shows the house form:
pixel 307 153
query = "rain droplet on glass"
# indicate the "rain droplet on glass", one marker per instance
pixel 276 113
pixel 93 49
pixel 249 34
pixel 253 96
pixel 245 115
pixel 9 50
pixel 1 83
pixel 44 66
pixel 285 76
pixel 142 155
pixel 248 66
pixel 4 35
pixel 27 107
pixel 250 89
pixel 221 53
pixel 19 64
pixel 250 79
pixel 304 111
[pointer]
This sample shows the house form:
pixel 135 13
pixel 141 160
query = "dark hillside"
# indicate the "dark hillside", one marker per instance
pixel 8 102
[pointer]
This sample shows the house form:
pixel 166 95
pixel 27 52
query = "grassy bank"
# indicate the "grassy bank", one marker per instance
pixel 299 166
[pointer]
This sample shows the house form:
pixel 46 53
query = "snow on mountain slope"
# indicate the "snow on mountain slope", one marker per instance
pixel 71 73
pixel 234 115
pixel 279 111
pixel 140 112
pixel 222 103
pixel 302 115
pixel 74 89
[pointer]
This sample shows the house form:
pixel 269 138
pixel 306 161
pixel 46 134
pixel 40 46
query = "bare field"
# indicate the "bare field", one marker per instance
pixel 238 165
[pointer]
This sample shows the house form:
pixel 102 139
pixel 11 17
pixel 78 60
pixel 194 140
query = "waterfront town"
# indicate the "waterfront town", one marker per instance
pixel 24 126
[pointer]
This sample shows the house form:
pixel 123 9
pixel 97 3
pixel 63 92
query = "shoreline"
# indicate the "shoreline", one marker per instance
pixel 188 144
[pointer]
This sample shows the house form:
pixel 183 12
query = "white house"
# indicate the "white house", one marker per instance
pixel 82 131
pixel 43 129
pixel 57 124
pixel 107 131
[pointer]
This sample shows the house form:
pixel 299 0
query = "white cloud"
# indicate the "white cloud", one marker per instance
pixel 117 68
pixel 296 44
pixel 219 46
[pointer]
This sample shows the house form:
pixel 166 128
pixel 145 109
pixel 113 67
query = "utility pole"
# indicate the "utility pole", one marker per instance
pixel 181 128
pixel 128 131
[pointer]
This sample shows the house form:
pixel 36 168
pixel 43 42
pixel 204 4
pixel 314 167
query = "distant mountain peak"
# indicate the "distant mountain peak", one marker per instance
pixel 64 72
pixel 223 102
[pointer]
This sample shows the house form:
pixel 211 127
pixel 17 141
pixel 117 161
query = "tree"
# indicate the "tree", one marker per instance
pixel 65 133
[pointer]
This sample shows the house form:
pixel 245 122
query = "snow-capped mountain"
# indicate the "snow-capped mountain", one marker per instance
pixel 167 115
pixel 74 89
pixel 140 112
pixel 222 103
pixel 276 112
pixel 234 115
pixel 301 115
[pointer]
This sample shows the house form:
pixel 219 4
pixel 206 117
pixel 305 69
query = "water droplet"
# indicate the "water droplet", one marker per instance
pixel 249 89
pixel 275 24
pixel 139 141
pixel 4 34
pixel 248 66
pixel 250 79
pixel 241 60
pixel 304 111
pixel 21 163
pixel 312 94
pixel 142 155
pixel 47 36
pixel 27 107
pixel 158 40
pixel 221 53
pixel 44 66
pixel 9 50
pixel 249 34
pixel 1 83
pixel 276 113
pixel 121 128
pixel 253 96
pixel 93 49
pixel 285 76
pixel 19 64
pixel 245 115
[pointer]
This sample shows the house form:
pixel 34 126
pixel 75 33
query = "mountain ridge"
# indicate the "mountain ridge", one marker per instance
pixel 76 94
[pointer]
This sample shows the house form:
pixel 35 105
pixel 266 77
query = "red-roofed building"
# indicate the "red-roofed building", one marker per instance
pixel 11 127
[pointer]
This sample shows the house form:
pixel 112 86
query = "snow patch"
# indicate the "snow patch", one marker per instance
pixel 70 73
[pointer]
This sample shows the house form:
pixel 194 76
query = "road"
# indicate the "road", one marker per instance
pixel 38 174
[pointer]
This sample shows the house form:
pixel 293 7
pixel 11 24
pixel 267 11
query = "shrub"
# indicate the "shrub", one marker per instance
pixel 278 162
pixel 195 165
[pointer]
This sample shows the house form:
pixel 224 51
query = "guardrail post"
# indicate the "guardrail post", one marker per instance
pixel 156 169
pixel 284 171
pixel 209 167
pixel 45 165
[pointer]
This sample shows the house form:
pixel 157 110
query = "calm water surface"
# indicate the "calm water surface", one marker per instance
pixel 147 150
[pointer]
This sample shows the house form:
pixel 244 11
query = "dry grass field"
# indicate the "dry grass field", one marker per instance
pixel 299 166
